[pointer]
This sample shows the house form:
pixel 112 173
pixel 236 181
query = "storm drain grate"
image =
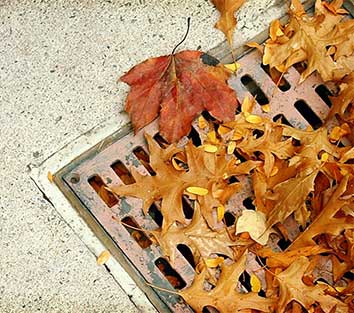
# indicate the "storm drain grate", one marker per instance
pixel 84 180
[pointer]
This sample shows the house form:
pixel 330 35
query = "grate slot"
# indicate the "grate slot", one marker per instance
pixel 123 173
pixel 187 208
pixel 282 119
pixel 187 254
pixel 254 89
pixel 171 275
pixel 248 204
pixel 99 186
pixel 229 219
pixel 324 93
pixel 280 82
pixel 138 235
pixel 194 136
pixel 309 115
pixel 160 140
pixel 245 280
pixel 144 159
pixel 155 214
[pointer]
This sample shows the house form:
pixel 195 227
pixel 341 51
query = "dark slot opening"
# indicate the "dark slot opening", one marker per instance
pixel 155 214
pixel 248 203
pixel 239 156
pixel 123 173
pixel 144 158
pixel 282 119
pixel 207 116
pixel 262 294
pixel 187 208
pixel 138 235
pixel 98 185
pixel 254 89
pixel 187 253
pixel 349 275
pixel 283 244
pixel 160 140
pixel 171 275
pixel 194 136
pixel 229 219
pixel 282 84
pixel 257 133
pixel 324 93
pixel 209 309
pixel 300 67
pixel 245 280
pixel 232 179
pixel 261 261
pixel 308 114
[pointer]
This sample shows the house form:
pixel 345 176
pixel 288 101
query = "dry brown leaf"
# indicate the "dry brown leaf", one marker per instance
pixel 198 236
pixel 308 38
pixel 227 21
pixel 224 296
pixel 326 222
pixel 292 288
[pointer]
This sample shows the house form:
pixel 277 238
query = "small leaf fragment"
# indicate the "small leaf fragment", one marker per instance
pixel 176 165
pixel 254 119
pixel 211 263
pixel 200 191
pixel 266 108
pixel 233 66
pixel 220 213
pixel 202 122
pixel 103 257
pixel 231 147
pixel 50 176
pixel 210 148
pixel 255 283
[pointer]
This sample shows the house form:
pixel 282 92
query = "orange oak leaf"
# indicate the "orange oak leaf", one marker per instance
pixel 292 288
pixel 179 87
pixel 326 222
pixel 198 236
pixel 227 21
pixel 224 296
pixel 205 170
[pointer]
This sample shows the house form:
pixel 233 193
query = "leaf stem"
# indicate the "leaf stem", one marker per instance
pixel 162 289
pixel 185 36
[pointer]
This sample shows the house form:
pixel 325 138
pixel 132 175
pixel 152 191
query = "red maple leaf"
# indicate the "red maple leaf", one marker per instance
pixel 180 86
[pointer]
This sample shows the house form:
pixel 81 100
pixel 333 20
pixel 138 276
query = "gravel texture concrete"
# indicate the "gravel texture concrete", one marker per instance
pixel 59 63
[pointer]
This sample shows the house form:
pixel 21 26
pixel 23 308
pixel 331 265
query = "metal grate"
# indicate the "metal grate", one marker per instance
pixel 108 164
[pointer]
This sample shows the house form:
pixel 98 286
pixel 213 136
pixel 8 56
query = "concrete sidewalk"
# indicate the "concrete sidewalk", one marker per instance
pixel 59 64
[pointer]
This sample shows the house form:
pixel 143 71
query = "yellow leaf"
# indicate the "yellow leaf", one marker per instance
pixel 220 213
pixel 50 177
pixel 233 66
pixel 103 257
pixel 211 263
pixel 197 190
pixel 176 165
pixel 237 135
pixel 266 108
pixel 210 148
pixel 202 122
pixel 254 119
pixel 247 105
pixel 222 130
pixel 255 283
pixel 324 157
pixel 231 147
pixel 212 137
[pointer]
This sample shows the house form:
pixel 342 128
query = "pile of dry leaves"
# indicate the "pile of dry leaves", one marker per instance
pixel 302 181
